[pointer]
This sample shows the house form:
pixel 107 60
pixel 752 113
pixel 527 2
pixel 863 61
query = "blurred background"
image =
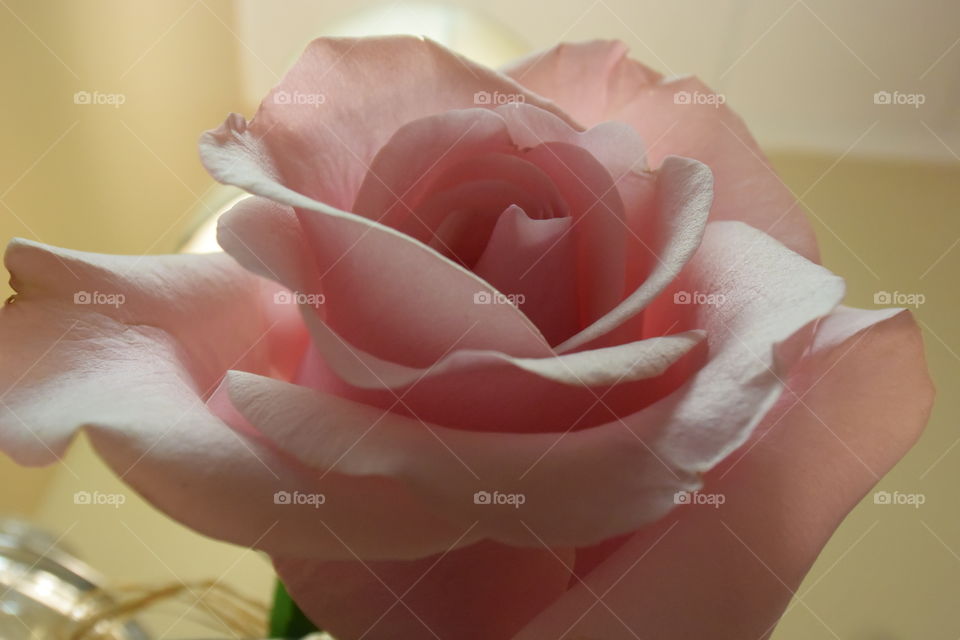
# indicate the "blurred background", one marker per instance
pixel 857 103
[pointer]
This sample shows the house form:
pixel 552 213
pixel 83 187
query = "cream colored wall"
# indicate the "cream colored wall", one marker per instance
pixel 114 180
pixel 127 180
pixel 892 572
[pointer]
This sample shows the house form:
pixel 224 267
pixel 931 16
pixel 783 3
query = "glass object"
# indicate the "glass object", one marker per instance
pixel 45 590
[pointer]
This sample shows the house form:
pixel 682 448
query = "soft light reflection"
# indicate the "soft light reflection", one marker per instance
pixel 204 238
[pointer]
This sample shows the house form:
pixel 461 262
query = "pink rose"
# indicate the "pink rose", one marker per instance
pixel 473 341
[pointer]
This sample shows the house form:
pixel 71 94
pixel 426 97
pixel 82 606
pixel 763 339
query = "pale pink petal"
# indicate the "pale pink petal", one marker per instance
pixel 435 152
pixel 497 392
pixel 578 488
pixel 856 404
pixel 534 261
pixel 584 486
pixel 317 131
pixel 417 154
pixel 648 229
pixel 635 465
pixel 545 200
pixel 484 592
pixel 753 294
pixel 599 223
pixel 134 373
pixel 587 79
pixel 683 196
pixel 593 368
pixel 746 187
pixel 468 213
pixel 596 82
pixel 416 305
pixel 286 259
pixel 617 146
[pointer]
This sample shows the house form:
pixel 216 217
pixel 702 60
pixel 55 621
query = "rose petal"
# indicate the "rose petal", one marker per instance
pixel 747 188
pixel 135 375
pixel 594 368
pixel 318 129
pixel 599 224
pixel 428 298
pixel 588 79
pixel 620 150
pixel 484 592
pixel 684 190
pixel 857 402
pixel 534 261
pixel 417 154
pixel 562 478
pixel 571 480
pixel 616 145
pixel 469 213
pixel 497 392
pixel 464 143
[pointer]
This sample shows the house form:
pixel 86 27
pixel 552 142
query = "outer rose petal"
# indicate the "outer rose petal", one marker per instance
pixel 747 189
pixel 865 396
pixel 587 79
pixel 135 377
pixel 483 592
pixel 371 87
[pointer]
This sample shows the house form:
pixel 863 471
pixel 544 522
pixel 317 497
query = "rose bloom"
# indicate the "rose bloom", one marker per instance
pixel 472 349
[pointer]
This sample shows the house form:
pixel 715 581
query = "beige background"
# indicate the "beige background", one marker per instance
pixel 127 180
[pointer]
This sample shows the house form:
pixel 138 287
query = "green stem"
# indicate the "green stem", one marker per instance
pixel 286 618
